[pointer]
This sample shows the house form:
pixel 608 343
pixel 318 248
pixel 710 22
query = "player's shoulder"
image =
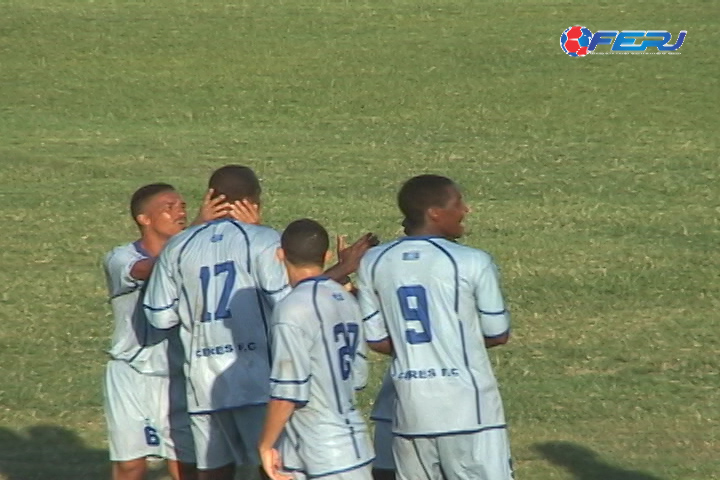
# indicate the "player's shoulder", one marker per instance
pixel 296 306
pixel 467 253
pixel 376 252
pixel 123 253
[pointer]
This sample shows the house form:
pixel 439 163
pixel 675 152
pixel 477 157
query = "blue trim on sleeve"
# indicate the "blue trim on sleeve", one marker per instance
pixel 160 309
pixel 288 399
pixel 290 382
pixel 273 292
pixel 371 316
pixel 501 312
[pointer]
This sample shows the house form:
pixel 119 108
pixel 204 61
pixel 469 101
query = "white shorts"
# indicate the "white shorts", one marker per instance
pixel 383 441
pixel 228 436
pixel 146 415
pixel 359 473
pixel 469 456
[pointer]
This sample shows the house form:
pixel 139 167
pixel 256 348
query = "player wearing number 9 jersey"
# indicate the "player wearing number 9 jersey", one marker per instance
pixel 219 281
pixel 436 305
pixel 316 367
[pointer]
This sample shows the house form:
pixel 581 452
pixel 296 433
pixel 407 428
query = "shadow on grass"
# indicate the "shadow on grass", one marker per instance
pixel 584 464
pixel 48 451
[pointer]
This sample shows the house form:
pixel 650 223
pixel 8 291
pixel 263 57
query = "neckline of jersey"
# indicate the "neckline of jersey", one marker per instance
pixel 422 237
pixel 141 250
pixel 317 278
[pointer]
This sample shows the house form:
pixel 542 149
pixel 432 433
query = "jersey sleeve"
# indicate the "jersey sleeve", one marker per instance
pixel 373 320
pixel 290 376
pixel 161 297
pixel 494 317
pixel 271 274
pixel 361 367
pixel 118 265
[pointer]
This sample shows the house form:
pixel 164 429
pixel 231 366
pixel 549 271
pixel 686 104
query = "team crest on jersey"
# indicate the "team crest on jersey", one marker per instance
pixel 411 255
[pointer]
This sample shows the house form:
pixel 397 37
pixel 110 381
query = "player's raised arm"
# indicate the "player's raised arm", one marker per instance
pixel 494 316
pixel 212 208
pixel 123 271
pixel 349 257
pixel 161 297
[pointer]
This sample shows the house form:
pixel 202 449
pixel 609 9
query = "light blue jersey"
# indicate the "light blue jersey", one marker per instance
pixel 134 340
pixel 437 300
pixel 316 332
pixel 219 281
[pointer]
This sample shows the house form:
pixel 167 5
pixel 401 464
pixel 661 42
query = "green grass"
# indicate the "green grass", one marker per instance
pixel 593 182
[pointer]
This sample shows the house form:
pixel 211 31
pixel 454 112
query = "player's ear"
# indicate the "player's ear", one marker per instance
pixel 280 254
pixel 432 214
pixel 328 256
pixel 143 220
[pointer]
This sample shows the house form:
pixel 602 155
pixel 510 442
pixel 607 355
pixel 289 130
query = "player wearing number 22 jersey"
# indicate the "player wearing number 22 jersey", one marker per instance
pixel 317 365
pixel 436 304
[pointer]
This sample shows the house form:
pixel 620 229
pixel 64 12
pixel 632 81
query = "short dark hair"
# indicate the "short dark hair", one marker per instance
pixel 305 242
pixel 236 182
pixel 141 196
pixel 419 194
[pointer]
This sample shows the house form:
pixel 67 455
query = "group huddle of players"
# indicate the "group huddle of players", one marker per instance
pixel 235 346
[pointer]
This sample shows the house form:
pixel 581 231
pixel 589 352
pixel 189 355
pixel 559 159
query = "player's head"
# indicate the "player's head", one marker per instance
pixel 432 204
pixel 236 182
pixel 158 207
pixel 304 243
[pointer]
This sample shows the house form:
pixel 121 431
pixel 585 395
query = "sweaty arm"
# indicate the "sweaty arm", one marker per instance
pixel 142 269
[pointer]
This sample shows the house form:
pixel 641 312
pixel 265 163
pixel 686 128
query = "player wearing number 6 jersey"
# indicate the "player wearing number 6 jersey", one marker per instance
pixel 316 367
pixel 437 305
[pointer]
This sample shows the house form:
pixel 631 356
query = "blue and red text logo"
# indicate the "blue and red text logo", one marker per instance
pixel 578 41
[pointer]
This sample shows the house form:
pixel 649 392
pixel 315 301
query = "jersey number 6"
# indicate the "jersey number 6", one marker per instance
pixel 414 307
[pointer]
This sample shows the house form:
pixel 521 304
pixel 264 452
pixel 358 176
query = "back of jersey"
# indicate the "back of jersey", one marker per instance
pixel 316 335
pixel 437 300
pixel 222 277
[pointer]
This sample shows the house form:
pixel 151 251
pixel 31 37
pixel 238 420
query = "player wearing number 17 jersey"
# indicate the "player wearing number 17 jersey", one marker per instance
pixel 437 306
pixel 219 281
pixel 316 334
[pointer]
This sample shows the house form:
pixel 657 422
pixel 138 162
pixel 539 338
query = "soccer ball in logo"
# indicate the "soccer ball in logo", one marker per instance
pixel 575 40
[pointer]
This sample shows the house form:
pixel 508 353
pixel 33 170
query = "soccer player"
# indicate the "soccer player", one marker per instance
pixel 144 389
pixel 316 331
pixel 437 306
pixel 219 281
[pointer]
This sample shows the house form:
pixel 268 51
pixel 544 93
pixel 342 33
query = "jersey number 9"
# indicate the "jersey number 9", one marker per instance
pixel 414 307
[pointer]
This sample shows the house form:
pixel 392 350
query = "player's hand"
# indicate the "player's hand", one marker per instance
pixel 349 257
pixel 245 211
pixel 212 208
pixel 272 464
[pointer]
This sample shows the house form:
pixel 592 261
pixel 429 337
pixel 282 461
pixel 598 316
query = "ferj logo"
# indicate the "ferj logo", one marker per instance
pixel 578 41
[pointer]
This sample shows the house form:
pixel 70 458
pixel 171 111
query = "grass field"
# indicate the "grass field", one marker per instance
pixel 593 182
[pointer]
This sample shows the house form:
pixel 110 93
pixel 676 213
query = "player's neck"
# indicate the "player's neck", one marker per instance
pixel 297 274
pixel 426 231
pixel 153 243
